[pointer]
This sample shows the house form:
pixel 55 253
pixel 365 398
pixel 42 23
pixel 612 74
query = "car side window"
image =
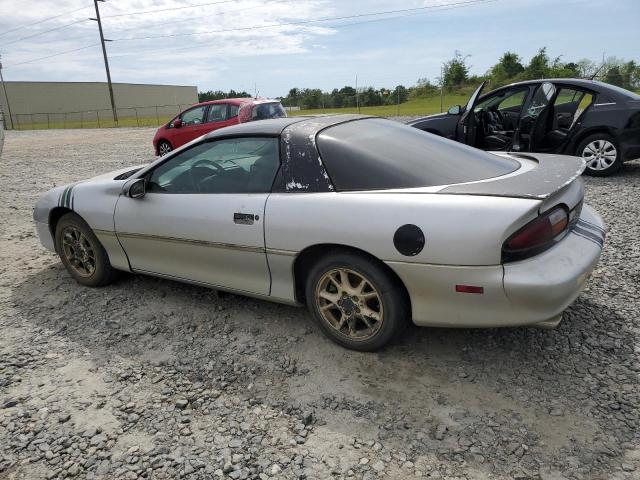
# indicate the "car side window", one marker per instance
pixel 217 112
pixel 195 116
pixel 569 105
pixel 233 110
pixel 236 165
pixel 511 100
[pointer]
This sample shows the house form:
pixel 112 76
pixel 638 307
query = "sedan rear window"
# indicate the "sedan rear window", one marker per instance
pixel 378 154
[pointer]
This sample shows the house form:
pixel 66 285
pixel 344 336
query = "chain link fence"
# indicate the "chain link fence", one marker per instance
pixel 145 116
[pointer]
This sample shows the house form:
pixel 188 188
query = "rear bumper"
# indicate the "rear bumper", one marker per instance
pixel 529 292
pixel 543 286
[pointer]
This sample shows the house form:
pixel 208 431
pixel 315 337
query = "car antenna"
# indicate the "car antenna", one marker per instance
pixel 597 72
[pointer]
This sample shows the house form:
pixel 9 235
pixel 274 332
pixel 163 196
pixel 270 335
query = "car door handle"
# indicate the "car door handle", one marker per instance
pixel 244 218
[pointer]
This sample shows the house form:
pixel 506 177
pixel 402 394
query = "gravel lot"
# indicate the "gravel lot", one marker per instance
pixel 153 379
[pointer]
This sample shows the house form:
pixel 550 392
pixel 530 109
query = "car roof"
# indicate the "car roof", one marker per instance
pixel 236 101
pixel 595 85
pixel 311 124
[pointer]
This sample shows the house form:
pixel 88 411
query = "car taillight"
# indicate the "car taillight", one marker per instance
pixel 536 236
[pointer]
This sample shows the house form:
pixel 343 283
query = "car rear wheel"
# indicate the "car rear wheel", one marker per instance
pixel 164 147
pixel 356 302
pixel 82 253
pixel 601 153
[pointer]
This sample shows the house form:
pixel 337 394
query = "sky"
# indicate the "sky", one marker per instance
pixel 271 46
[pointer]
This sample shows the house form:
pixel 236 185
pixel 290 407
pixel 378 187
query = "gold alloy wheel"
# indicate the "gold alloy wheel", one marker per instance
pixel 78 251
pixel 350 304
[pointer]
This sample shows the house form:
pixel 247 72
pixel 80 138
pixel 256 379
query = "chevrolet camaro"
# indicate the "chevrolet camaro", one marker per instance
pixel 370 223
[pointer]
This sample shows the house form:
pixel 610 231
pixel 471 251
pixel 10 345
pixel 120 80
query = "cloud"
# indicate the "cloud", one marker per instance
pixel 187 37
pixel 227 52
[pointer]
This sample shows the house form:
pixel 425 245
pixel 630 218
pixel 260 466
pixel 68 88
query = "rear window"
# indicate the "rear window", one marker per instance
pixel 264 111
pixel 377 154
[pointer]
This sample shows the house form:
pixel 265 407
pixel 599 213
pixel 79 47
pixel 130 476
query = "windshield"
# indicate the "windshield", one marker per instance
pixel 377 154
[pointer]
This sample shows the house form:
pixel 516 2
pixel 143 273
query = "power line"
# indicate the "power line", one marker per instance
pixel 43 32
pixel 302 22
pixel 415 11
pixel 265 3
pixel 42 21
pixel 143 12
pixel 54 55
pixel 200 46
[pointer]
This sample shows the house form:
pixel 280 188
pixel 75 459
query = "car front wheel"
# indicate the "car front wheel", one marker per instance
pixel 601 154
pixel 356 302
pixel 82 253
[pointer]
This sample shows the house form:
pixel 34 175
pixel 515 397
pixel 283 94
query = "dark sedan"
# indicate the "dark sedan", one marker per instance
pixel 593 120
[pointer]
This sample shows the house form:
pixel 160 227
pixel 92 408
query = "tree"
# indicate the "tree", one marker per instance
pixel 219 94
pixel 507 68
pixel 630 72
pixel 400 94
pixel 348 95
pixel 423 88
pixel 614 76
pixel 455 72
pixel 538 65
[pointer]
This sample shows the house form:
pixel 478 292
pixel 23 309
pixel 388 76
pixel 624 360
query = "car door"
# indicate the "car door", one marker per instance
pixel 193 125
pixel 219 116
pixel 534 118
pixel 201 217
pixel 467 126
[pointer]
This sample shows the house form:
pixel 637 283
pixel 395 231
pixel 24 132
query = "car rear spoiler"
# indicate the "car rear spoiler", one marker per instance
pixel 553 173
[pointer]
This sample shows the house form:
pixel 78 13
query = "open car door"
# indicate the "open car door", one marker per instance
pixel 534 119
pixel 468 124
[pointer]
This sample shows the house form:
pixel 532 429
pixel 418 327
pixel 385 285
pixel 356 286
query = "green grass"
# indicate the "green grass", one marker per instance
pixel 415 107
pixel 93 123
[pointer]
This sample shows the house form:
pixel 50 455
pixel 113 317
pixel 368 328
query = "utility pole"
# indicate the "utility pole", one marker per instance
pixel 106 62
pixel 441 87
pixel 4 87
pixel 357 97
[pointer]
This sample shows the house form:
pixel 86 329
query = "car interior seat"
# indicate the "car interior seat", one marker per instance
pixel 263 171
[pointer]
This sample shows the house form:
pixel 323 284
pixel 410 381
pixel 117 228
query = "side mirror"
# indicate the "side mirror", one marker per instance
pixel 137 189
pixel 455 110
pixel 177 123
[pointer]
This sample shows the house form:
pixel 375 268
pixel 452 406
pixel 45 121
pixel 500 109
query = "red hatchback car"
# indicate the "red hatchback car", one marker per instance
pixel 208 116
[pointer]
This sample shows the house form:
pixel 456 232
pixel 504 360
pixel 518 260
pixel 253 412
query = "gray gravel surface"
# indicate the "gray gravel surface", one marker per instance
pixel 149 378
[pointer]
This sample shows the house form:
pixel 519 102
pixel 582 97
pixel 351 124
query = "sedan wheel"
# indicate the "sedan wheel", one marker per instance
pixel 601 154
pixel 164 148
pixel 356 300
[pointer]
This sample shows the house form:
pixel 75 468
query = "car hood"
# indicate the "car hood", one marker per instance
pixel 120 174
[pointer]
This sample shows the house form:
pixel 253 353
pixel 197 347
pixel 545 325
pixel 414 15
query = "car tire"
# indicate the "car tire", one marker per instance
pixel 602 154
pixel 81 252
pixel 164 147
pixel 356 302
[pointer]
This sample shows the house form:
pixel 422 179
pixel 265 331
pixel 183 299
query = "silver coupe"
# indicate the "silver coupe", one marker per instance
pixel 368 222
